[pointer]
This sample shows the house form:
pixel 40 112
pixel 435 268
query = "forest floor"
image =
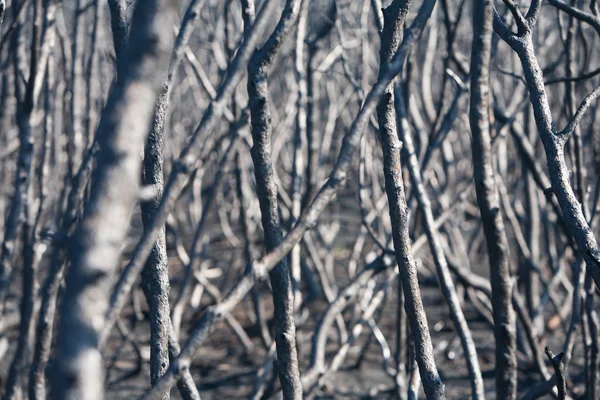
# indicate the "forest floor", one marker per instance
pixel 224 369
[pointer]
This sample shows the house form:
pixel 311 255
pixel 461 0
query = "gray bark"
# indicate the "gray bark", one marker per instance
pixel 120 27
pixel 258 269
pixel 394 17
pixel 552 139
pixel 178 177
pixel 155 275
pixel 489 203
pixel 95 247
pixel 435 243
pixel 280 276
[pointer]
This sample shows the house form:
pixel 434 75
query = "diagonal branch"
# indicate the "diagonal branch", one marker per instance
pixel 534 12
pixel 583 107
pixel 590 19
pixel 553 142
pixel 502 29
pixel 258 269
pixel 185 163
pixel 522 24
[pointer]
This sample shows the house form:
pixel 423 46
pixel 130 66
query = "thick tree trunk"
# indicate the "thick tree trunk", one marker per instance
pixel 96 245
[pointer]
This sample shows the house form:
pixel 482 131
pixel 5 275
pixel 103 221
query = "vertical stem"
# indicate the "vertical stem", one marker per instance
pixel 312 162
pixel 592 322
pixel 435 243
pixel 91 72
pixel 155 275
pixel 391 37
pixel 120 27
pixel 21 211
pixel 401 346
pixel 13 381
pixel 25 159
pixel 76 139
pixel 533 232
pixel 281 279
pixel 95 246
pixel 299 142
pixel 489 205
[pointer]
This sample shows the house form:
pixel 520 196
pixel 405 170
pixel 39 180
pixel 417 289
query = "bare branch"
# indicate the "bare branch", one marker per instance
pixel 522 24
pixel 581 110
pixel 557 364
pixel 488 202
pixel 590 19
pixel 280 277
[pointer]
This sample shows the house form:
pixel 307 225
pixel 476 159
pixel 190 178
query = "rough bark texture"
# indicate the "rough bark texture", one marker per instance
pixel 96 245
pixel 280 276
pixel 258 269
pixel 155 275
pixel 435 243
pixel 120 27
pixel 178 177
pixel 489 203
pixel 391 37
pixel 552 139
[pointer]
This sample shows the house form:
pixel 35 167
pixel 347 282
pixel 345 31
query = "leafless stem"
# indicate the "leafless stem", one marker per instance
pixel 557 364
pixel 95 248
pixel 280 277
pixel 488 201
